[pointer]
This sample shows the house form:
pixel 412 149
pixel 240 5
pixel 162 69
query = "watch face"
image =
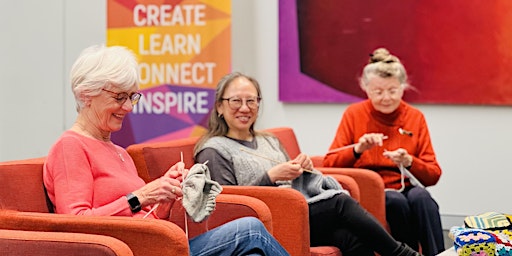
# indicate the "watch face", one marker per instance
pixel 134 203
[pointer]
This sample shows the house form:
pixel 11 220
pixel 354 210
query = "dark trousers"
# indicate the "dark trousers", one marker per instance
pixel 413 217
pixel 340 221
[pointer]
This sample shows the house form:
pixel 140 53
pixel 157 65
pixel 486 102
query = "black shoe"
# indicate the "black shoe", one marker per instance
pixel 404 250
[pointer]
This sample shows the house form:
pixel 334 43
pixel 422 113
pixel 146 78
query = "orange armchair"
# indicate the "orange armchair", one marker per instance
pixel 291 230
pixel 21 243
pixel 23 206
pixel 371 186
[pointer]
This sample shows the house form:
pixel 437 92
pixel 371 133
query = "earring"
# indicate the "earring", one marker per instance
pixel 221 116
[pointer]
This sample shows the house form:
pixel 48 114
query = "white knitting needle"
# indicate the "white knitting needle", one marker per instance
pixel 270 159
pixel 347 147
pixel 156 205
pixel 152 210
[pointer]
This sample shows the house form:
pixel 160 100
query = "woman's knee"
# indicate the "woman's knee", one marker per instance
pixel 249 223
pixel 421 198
pixel 396 200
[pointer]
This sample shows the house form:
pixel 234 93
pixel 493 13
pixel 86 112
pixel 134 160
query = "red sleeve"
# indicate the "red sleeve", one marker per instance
pixel 424 165
pixel 344 136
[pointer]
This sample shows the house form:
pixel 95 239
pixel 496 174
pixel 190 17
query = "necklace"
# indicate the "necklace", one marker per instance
pixel 81 129
pixel 119 154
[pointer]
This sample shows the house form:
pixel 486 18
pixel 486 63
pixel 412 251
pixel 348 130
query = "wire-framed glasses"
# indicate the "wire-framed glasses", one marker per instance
pixel 236 103
pixel 121 97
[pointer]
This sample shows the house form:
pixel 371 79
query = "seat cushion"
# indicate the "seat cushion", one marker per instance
pixel 325 251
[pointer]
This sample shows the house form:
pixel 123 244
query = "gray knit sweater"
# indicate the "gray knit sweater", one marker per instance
pixel 251 164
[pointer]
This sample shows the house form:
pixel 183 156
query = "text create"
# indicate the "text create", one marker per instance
pixel 167 15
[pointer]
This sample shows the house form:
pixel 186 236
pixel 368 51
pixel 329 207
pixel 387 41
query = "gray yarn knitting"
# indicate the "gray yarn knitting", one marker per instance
pixel 199 192
pixel 317 187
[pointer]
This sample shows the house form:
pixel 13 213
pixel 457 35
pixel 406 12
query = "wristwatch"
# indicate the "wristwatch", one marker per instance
pixel 134 203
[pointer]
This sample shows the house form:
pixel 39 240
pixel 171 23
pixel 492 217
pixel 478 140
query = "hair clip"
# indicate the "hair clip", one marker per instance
pixel 404 132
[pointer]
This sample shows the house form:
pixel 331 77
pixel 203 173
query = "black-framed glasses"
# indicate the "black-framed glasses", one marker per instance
pixel 236 103
pixel 121 97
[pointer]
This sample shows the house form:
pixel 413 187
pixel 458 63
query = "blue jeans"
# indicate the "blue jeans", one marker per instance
pixel 244 236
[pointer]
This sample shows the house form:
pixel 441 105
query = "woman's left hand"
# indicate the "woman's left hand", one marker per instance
pixel 177 172
pixel 399 156
pixel 304 161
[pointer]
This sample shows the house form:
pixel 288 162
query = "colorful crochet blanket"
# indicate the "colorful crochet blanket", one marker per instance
pixel 480 242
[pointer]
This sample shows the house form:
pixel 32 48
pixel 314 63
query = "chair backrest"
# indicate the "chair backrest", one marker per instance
pixel 22 186
pixel 22 242
pixel 154 159
pixel 287 137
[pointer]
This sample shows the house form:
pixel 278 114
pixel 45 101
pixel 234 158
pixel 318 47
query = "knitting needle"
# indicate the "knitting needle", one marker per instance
pixel 270 159
pixel 156 205
pixel 152 210
pixel 347 147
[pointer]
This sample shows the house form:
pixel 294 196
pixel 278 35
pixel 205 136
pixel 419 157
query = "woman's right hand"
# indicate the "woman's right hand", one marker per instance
pixel 367 141
pixel 285 171
pixel 161 190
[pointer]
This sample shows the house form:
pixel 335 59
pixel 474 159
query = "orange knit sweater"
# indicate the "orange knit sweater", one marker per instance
pixel 361 118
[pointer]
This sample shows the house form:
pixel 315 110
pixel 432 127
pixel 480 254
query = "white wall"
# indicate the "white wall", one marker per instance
pixel 41 39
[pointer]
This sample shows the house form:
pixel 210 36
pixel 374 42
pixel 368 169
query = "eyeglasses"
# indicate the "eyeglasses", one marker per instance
pixel 123 96
pixel 393 92
pixel 236 103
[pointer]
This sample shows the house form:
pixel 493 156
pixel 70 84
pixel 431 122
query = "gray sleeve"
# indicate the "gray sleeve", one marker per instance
pixel 222 170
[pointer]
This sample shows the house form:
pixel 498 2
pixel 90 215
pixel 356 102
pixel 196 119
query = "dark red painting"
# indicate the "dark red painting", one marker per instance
pixel 455 52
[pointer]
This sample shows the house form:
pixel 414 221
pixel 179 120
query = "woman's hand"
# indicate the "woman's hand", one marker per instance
pixel 399 156
pixel 304 161
pixel 367 141
pixel 285 171
pixel 164 189
pixel 177 171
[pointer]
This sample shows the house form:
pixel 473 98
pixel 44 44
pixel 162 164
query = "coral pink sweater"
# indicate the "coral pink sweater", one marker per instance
pixel 85 176
pixel 361 118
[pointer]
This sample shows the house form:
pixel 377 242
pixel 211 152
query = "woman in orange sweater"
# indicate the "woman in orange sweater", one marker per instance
pixel 391 137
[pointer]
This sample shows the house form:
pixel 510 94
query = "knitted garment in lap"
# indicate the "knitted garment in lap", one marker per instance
pixel 248 168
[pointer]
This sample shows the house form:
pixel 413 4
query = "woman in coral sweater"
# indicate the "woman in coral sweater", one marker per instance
pixel 391 137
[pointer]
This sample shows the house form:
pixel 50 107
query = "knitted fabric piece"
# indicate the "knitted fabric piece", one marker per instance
pixel 199 192
pixel 316 187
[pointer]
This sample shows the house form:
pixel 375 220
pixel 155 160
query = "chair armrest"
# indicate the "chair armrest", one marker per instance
pixel 371 187
pixel 290 214
pixel 349 184
pixel 143 236
pixel 21 243
pixel 228 207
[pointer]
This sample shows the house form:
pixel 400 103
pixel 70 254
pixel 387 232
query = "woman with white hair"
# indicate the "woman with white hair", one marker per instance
pixel 391 137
